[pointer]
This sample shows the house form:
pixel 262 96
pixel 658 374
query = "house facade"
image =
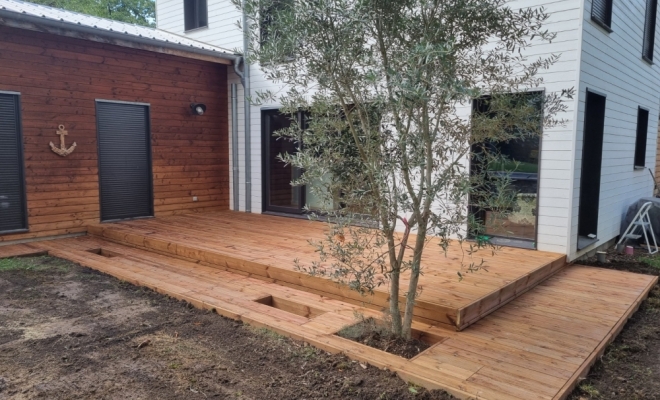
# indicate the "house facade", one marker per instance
pixel 582 176
pixel 66 77
pixel 97 123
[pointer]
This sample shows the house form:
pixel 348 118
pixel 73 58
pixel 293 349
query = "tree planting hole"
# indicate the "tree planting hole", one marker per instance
pixel 103 252
pixel 291 306
pixel 377 334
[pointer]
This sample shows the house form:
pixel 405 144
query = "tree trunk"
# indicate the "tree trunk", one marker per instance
pixel 395 313
pixel 414 280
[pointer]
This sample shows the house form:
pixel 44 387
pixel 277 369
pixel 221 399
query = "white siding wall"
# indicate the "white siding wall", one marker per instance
pixel 557 147
pixel 611 64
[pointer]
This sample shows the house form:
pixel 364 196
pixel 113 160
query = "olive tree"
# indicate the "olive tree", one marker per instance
pixel 395 105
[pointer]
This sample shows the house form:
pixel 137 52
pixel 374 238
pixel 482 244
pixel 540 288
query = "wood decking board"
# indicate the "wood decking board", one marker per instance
pixel 266 246
pixel 535 347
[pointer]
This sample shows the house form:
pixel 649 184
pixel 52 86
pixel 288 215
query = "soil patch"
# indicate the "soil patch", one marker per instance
pixel 376 334
pixel 630 367
pixel 71 332
pixel 640 262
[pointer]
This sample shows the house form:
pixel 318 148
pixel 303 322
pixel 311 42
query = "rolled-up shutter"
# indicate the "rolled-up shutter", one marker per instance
pixel 124 160
pixel 13 210
pixel 601 12
pixel 649 29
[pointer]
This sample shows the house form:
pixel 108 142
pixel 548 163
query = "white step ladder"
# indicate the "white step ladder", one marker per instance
pixel 642 220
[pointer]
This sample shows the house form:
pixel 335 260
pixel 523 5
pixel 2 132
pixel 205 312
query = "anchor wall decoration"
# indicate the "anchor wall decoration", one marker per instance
pixel 62 150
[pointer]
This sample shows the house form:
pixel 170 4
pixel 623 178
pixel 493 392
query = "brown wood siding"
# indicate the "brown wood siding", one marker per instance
pixel 60 78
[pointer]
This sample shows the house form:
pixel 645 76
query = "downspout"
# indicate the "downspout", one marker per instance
pixel 245 80
pixel 234 144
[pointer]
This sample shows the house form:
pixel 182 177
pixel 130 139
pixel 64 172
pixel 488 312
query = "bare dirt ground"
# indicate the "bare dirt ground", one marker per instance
pixel 630 367
pixel 379 335
pixel 68 332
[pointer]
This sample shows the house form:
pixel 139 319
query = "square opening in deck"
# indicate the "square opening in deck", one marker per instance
pixel 291 306
pixel 103 252
pixel 376 333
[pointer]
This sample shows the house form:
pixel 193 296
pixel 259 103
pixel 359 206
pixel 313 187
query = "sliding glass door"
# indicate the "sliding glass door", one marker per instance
pixel 279 194
pixel 519 162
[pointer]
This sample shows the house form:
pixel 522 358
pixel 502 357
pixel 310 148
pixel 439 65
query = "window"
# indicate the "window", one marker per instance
pixel 516 160
pixel 195 14
pixel 266 22
pixel 601 13
pixel 272 14
pixel 640 142
pixel 649 30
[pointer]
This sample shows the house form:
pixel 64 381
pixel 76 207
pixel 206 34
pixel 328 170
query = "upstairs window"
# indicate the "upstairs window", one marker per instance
pixel 195 14
pixel 601 13
pixel 640 141
pixel 274 16
pixel 267 13
pixel 649 30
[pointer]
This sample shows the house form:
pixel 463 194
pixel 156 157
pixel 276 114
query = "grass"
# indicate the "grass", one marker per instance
pixel 651 261
pixel 31 264
pixel 270 334
pixel 589 390
pixel 653 300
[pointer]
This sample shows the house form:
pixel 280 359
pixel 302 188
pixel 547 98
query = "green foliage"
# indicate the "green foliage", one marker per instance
pixel 31 264
pixel 384 86
pixel 140 12
pixel 652 261
pixel 414 389
pixel 589 390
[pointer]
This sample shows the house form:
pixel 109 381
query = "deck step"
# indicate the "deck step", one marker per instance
pixel 266 246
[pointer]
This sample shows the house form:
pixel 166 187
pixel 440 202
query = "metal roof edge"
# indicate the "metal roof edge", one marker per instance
pixel 65 28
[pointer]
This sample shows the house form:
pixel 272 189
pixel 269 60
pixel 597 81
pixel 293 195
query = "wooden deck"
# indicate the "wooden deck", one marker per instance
pixel 266 246
pixel 535 347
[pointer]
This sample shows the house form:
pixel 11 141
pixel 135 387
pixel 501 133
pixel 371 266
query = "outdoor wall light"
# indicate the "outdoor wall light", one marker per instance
pixel 198 108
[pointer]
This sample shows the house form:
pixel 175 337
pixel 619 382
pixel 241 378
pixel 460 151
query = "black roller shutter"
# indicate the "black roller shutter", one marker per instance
pixel 649 30
pixel 124 160
pixel 640 140
pixel 601 13
pixel 13 210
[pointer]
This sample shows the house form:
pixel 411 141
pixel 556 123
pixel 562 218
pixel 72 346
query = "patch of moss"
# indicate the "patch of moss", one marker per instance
pixel 651 261
pixel 32 264
pixel 589 390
